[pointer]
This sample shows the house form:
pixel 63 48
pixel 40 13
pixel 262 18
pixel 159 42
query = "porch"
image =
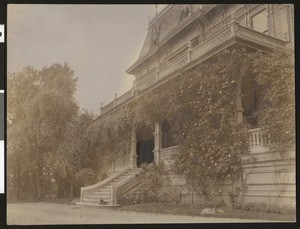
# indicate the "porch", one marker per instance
pixel 165 154
pixel 268 176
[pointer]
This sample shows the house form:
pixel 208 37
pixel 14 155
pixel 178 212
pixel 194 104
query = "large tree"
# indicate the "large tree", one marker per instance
pixel 40 106
pixel 73 156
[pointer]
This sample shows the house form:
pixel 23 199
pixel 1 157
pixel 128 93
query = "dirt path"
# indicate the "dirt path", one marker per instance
pixel 53 213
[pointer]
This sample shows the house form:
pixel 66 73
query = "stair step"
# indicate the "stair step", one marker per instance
pixel 101 191
pixel 94 197
pixel 95 200
pixel 99 197
pixel 99 194
pixel 96 205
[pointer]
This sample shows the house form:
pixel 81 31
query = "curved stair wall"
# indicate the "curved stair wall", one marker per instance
pixel 88 189
pixel 106 193
pixel 130 184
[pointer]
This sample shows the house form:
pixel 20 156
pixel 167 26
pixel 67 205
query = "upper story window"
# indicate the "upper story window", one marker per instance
pixel 260 22
pixel 185 12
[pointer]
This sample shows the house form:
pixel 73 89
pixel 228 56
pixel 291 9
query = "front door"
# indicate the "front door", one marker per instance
pixel 145 151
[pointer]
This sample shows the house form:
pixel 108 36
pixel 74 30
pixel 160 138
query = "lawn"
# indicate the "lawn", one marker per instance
pixel 185 209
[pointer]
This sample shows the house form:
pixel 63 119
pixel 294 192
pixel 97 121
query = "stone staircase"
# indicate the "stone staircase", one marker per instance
pixel 91 195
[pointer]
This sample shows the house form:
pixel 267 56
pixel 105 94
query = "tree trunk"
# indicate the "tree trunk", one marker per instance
pixel 17 182
pixel 72 189
pixel 61 187
pixel 192 195
pixel 39 178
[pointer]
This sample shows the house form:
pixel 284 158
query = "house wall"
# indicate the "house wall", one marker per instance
pixel 271 177
pixel 268 177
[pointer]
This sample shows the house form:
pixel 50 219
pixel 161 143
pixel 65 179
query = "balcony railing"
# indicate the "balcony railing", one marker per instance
pixel 230 33
pixel 107 108
pixel 124 97
pixel 218 39
pixel 117 101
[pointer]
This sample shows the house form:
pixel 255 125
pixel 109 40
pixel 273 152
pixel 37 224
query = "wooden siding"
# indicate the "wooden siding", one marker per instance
pixel 268 176
pixel 278 30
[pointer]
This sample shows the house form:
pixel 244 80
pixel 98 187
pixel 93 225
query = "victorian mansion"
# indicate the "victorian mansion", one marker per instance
pixel 179 38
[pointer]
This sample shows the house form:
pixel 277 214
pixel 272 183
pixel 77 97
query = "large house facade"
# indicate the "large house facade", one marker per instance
pixel 179 38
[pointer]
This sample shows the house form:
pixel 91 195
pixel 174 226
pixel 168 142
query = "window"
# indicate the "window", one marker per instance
pixel 260 22
pixel 185 12
pixel 168 138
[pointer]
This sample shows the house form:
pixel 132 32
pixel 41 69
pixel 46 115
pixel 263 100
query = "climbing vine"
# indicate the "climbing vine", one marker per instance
pixel 275 75
pixel 111 133
pixel 212 141
pixel 201 105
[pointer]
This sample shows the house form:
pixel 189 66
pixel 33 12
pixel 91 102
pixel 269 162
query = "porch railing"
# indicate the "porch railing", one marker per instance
pixel 166 153
pixel 255 145
pixel 256 139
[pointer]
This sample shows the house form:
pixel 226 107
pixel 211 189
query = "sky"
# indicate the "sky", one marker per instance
pixel 99 42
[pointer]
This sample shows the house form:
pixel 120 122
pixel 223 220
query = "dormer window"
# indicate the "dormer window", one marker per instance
pixel 260 22
pixel 156 30
pixel 185 12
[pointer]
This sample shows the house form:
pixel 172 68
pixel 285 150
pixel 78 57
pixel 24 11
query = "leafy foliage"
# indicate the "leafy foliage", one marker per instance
pixel 74 153
pixel 41 106
pixel 234 197
pixel 276 77
pixel 212 139
pixel 105 131
pixel 85 177
pixel 58 146
pixel 201 105
pixel 155 186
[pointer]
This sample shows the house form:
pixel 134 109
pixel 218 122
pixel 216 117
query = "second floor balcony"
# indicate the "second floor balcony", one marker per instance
pixel 228 36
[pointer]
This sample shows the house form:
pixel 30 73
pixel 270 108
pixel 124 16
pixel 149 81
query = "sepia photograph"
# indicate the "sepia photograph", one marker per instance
pixel 150 114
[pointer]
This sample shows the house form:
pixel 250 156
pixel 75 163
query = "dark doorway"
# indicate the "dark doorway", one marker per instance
pixel 145 152
pixel 251 99
pixel 145 147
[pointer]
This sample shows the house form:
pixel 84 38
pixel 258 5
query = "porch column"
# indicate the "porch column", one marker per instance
pixel 157 141
pixel 133 155
pixel 239 106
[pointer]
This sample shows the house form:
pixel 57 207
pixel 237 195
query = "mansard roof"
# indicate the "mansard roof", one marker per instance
pixel 161 26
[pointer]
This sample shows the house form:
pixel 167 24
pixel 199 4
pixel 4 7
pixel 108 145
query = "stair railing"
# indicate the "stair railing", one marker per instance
pixel 118 189
pixel 85 190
